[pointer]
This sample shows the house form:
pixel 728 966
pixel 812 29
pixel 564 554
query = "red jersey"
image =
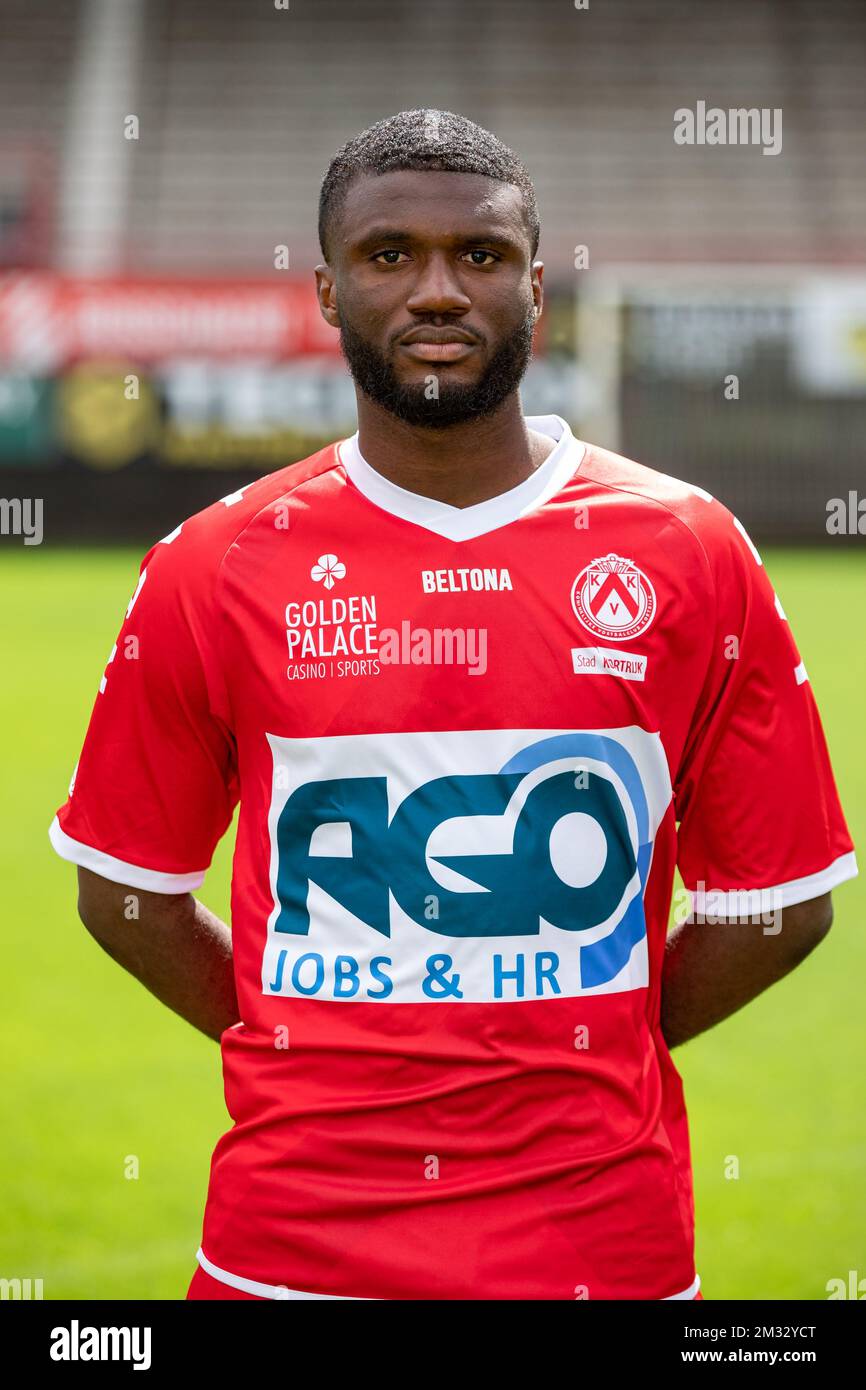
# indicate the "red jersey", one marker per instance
pixel 469 746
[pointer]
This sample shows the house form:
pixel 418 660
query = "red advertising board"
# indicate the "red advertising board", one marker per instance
pixel 49 321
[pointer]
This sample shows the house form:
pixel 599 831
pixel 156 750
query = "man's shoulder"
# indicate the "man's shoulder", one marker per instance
pixel 711 524
pixel 219 525
pixel 194 551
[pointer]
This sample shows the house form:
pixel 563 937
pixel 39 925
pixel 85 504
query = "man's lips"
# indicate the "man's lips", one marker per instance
pixel 438 344
pixel 433 351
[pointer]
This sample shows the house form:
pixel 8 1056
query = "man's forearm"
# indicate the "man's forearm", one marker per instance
pixel 711 969
pixel 173 944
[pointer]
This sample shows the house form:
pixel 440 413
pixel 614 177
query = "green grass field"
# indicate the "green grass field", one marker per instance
pixel 96 1070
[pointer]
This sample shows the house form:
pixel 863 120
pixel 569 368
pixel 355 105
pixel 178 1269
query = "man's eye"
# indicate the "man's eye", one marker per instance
pixel 478 252
pixel 391 252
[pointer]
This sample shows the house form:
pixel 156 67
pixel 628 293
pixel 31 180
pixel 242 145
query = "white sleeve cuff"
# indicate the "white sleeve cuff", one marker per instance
pixel 720 904
pixel 151 880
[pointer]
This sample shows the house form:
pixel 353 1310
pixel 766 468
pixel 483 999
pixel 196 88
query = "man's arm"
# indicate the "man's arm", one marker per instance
pixel 712 969
pixel 171 942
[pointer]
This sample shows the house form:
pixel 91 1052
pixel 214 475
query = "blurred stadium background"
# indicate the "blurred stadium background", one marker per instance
pixel 154 157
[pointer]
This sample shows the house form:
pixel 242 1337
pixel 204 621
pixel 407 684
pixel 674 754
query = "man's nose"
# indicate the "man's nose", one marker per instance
pixel 437 290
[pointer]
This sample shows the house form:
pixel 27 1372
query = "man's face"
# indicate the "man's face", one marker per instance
pixel 432 286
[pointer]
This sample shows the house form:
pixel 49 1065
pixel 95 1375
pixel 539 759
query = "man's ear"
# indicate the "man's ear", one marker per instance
pixel 326 293
pixel 537 277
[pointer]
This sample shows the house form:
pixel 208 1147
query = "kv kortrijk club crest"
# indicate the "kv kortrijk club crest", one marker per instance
pixel 613 598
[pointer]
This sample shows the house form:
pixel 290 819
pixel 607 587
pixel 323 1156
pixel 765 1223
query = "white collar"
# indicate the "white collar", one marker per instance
pixel 465 523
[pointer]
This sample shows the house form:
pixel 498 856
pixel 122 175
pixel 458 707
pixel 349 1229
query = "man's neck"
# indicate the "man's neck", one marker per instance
pixel 461 465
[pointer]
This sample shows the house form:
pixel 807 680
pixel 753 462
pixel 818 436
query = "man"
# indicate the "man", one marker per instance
pixel 465 675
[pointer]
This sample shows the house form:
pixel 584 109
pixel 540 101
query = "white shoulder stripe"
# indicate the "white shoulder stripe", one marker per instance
pixel 748 539
pixel 138 588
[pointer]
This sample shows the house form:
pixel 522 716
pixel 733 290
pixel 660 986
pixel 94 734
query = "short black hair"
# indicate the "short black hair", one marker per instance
pixel 423 139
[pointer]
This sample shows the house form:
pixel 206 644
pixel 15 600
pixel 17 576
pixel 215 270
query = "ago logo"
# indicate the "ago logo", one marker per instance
pixel 480 866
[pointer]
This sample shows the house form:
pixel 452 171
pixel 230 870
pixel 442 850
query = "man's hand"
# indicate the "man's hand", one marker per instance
pixel 711 969
pixel 173 944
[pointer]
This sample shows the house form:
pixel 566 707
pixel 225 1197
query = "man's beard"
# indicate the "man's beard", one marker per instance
pixel 454 402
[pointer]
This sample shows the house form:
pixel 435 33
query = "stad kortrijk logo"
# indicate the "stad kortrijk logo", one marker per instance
pixel 613 598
